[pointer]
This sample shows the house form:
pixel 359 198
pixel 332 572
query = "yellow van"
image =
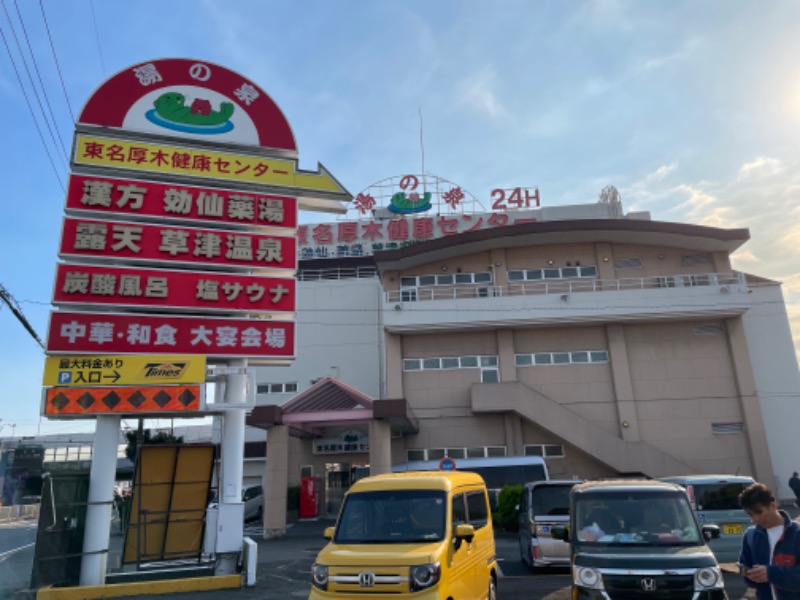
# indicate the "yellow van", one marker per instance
pixel 422 535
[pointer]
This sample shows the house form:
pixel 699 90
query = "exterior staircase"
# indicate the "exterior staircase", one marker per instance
pixel 618 454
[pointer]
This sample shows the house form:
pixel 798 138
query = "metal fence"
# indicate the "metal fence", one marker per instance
pixel 19 511
pixel 569 286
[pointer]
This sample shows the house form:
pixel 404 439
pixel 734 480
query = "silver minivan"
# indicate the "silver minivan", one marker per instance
pixel 544 504
pixel 715 500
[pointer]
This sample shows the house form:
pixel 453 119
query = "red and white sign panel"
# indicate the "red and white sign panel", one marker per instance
pixel 148 200
pixel 142 243
pixel 111 333
pixel 189 98
pixel 78 284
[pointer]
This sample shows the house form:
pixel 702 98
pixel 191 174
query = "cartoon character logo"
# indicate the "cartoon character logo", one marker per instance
pixel 171 112
pixel 412 203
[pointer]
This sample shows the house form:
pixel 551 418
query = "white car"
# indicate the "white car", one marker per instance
pixel 253 498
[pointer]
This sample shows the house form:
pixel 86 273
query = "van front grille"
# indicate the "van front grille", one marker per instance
pixel 367 581
pixel 652 587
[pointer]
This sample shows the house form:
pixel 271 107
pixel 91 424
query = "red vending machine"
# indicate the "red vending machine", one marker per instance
pixel 309 504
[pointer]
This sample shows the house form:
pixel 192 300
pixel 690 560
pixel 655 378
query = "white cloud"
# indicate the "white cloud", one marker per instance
pixel 762 195
pixel 760 167
pixel 477 91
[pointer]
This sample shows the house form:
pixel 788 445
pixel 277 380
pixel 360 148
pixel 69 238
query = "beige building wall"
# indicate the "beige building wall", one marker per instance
pixel 684 383
pixel 667 386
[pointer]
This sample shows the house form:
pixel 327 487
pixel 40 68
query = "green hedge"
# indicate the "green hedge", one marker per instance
pixel 507 502
pixel 293 497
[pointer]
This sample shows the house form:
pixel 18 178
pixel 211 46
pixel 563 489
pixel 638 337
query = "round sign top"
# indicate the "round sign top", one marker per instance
pixel 447 464
pixel 192 99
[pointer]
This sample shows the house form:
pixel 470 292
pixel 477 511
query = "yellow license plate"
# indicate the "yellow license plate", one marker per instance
pixel 732 528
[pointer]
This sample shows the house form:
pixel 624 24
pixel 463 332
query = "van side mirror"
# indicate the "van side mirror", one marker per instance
pixel 560 532
pixel 710 532
pixel 464 532
pixel 328 533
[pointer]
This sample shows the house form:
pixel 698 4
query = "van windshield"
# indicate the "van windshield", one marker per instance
pixel 392 517
pixel 642 518
pixel 718 496
pixel 550 500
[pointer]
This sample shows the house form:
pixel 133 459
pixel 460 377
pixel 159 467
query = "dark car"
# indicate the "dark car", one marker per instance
pixel 638 539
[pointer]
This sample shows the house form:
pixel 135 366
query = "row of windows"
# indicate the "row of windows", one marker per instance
pixel 277 388
pixel 546 450
pixel 578 357
pixel 449 362
pixel 65 453
pixel 487 364
pixel 552 273
pixel 440 453
pixel 448 279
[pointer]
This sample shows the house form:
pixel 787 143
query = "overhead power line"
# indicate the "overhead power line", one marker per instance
pixel 30 109
pixel 41 83
pixel 9 301
pixel 55 59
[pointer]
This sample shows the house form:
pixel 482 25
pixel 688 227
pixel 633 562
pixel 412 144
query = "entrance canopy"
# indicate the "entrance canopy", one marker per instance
pixel 331 402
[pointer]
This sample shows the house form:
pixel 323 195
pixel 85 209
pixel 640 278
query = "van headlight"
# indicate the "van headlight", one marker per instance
pixel 319 576
pixel 707 577
pixel 424 576
pixel 587 577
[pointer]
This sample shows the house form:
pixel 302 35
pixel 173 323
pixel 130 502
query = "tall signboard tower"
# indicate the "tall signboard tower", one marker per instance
pixel 178 248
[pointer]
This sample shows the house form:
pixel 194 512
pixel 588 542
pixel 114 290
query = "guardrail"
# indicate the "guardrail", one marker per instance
pixel 340 273
pixel 16 512
pixel 570 286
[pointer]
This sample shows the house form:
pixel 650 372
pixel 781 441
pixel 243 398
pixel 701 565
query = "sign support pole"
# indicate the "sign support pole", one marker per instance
pixel 101 495
pixel 232 458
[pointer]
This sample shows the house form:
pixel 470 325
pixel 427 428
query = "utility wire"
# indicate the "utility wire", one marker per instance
pixel 9 300
pixel 30 79
pixel 97 39
pixel 55 58
pixel 30 109
pixel 41 83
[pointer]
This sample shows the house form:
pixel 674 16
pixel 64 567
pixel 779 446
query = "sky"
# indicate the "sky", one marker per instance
pixel 690 108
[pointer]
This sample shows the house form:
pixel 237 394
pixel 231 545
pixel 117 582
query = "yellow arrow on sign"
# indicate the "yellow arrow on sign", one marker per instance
pixel 148 157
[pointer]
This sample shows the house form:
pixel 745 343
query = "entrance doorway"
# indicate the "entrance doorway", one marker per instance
pixel 338 479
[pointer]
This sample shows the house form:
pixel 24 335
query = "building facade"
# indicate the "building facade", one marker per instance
pixel 608 344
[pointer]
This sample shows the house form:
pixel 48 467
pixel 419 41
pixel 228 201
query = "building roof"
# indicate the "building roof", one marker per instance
pixel 327 394
pixel 621 231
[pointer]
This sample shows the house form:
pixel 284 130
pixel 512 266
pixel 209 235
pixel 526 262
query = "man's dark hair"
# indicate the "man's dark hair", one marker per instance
pixel 756 495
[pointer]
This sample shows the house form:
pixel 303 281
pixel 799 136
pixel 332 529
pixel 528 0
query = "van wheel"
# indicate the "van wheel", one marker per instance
pixel 492 595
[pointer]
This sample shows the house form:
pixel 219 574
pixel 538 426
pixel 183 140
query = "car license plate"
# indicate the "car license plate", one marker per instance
pixel 732 528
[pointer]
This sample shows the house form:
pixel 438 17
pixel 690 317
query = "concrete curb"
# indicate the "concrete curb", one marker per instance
pixel 141 588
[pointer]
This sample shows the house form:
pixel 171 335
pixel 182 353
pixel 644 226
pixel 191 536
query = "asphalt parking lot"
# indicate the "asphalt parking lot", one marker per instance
pixel 284 566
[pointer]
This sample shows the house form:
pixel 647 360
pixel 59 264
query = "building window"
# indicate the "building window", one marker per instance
pixel 415 455
pixel 552 273
pixel 487 364
pixel 277 388
pixel 306 471
pixel 456 453
pixel 436 454
pixel 545 450
pixel 698 259
pixel 576 357
pixel 707 330
pixel 459 278
pixel 627 263
pixel 727 428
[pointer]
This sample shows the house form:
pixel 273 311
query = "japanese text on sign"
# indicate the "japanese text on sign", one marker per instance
pixel 177 160
pixel 121 286
pixel 155 243
pixel 89 333
pixel 147 199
